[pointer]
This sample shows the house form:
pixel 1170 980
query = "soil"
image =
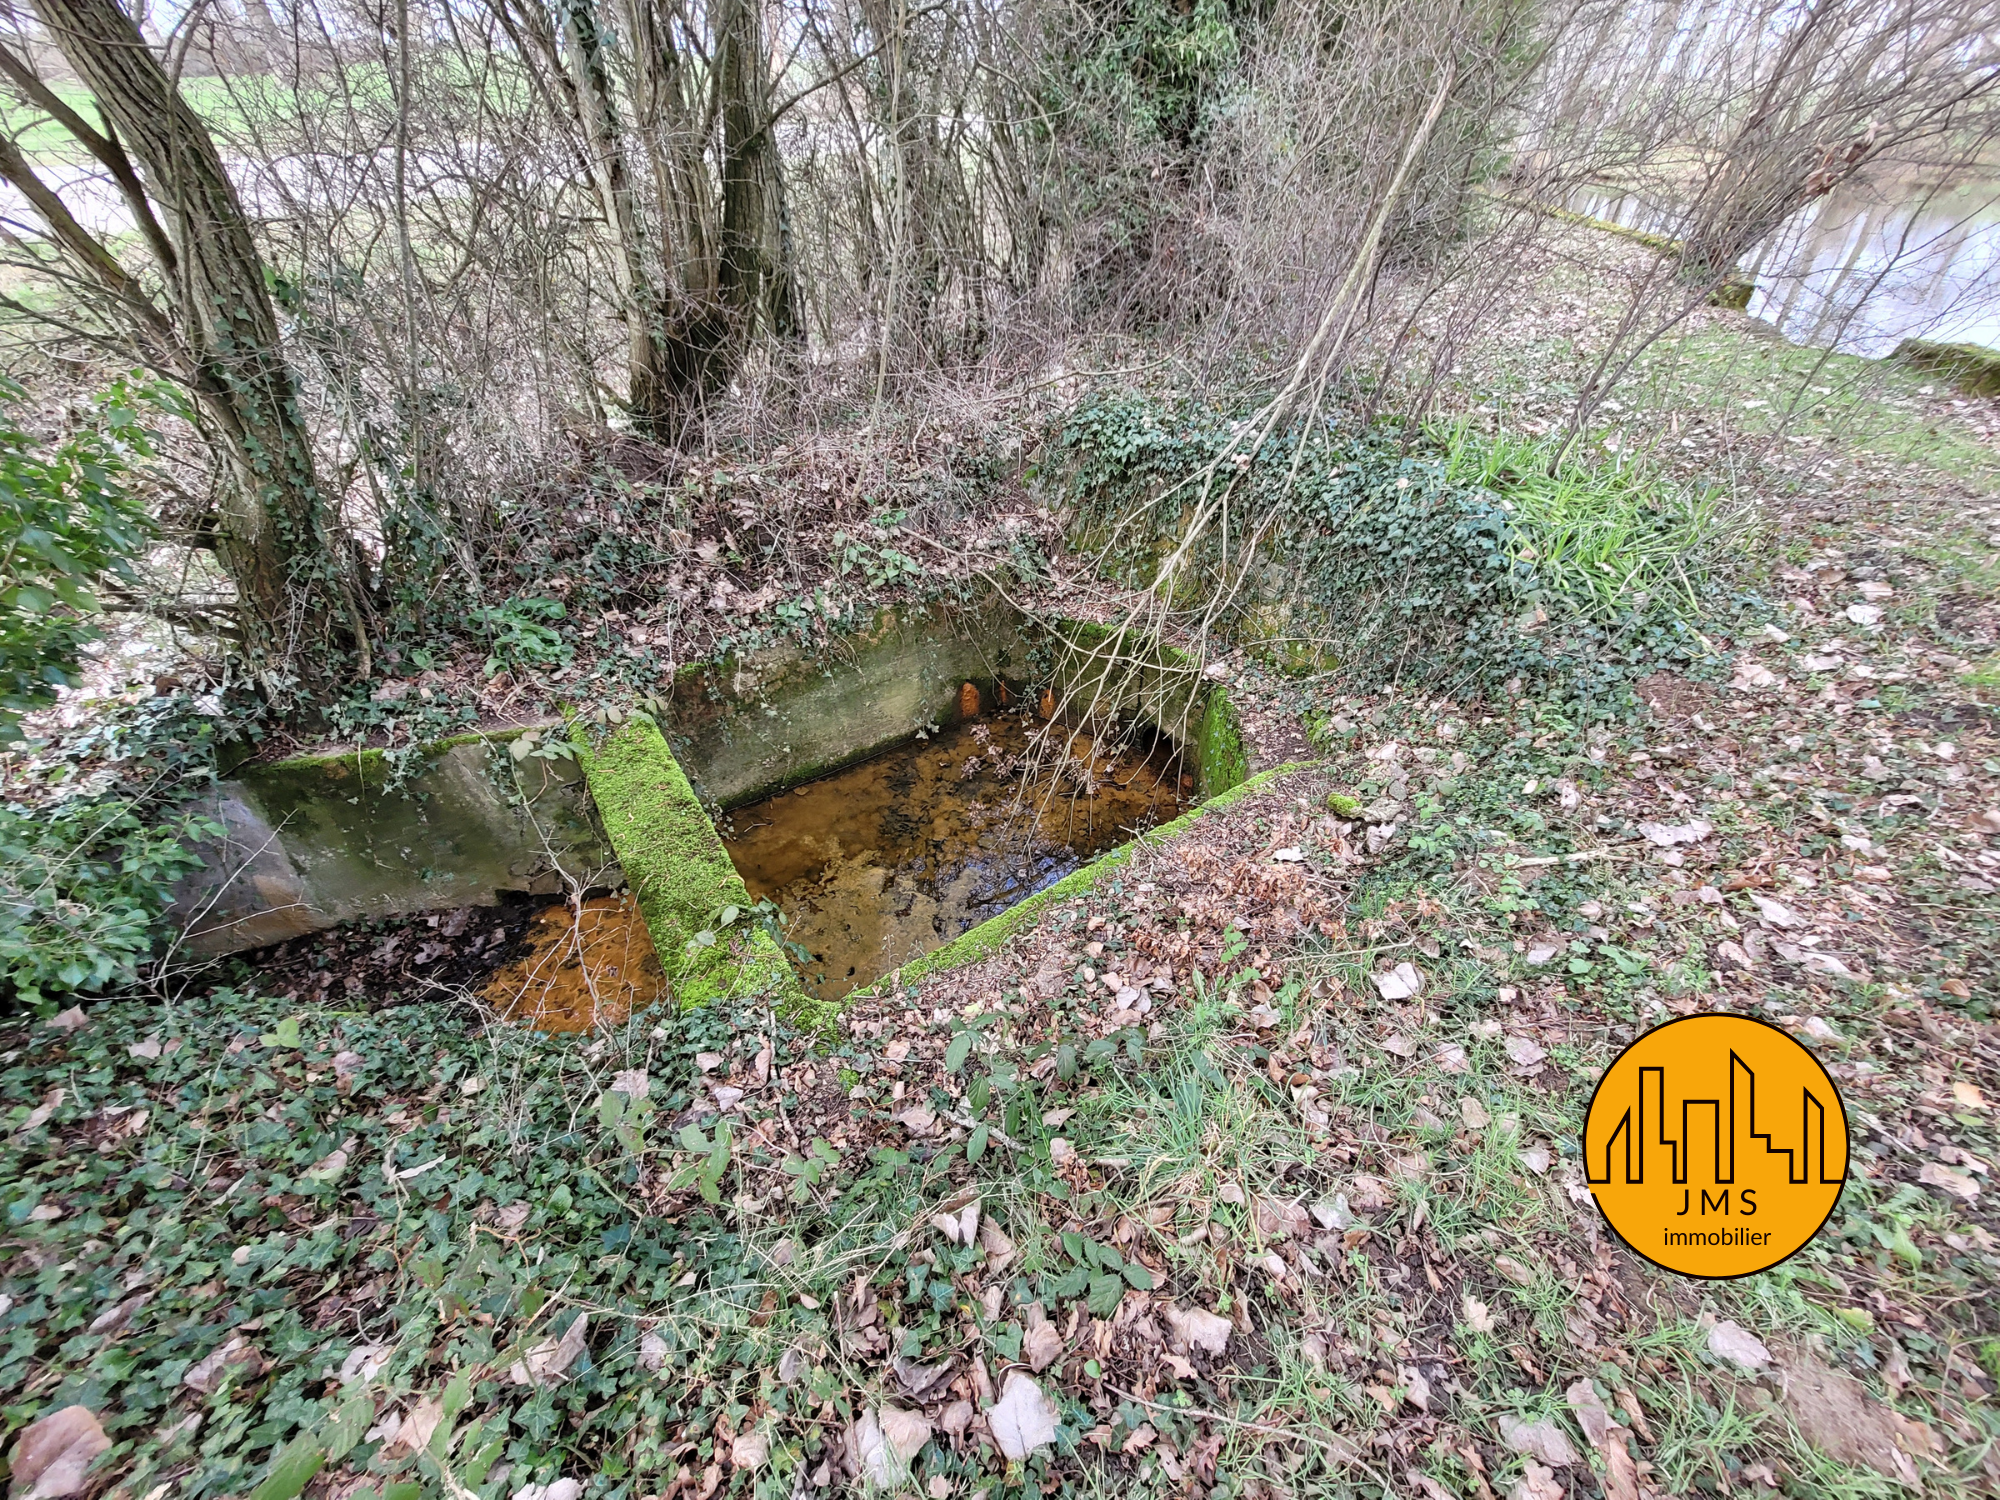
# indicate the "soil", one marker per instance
pixel 391 962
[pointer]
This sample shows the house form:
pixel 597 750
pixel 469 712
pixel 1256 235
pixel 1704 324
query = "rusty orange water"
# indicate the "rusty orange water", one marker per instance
pixel 879 864
pixel 580 970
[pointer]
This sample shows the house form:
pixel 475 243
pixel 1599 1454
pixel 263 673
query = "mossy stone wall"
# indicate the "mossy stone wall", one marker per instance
pixel 677 868
pixel 750 726
pixel 321 839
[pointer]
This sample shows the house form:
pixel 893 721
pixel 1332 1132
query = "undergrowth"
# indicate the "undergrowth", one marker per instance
pixel 1453 563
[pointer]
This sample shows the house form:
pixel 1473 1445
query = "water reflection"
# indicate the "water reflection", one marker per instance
pixel 1865 267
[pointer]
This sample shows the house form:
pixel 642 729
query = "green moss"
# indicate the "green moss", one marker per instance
pixel 988 936
pixel 1973 368
pixel 1342 806
pixel 1219 746
pixel 676 866
pixel 1733 294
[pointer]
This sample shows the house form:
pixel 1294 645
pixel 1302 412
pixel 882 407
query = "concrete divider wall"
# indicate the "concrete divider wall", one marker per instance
pixel 322 839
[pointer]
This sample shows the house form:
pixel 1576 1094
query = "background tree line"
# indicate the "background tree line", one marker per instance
pixel 397 255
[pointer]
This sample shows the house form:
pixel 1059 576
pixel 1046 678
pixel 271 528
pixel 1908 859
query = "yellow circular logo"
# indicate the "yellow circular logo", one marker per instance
pixel 1716 1146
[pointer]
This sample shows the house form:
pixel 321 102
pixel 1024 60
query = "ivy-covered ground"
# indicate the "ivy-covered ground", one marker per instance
pixel 1252 1173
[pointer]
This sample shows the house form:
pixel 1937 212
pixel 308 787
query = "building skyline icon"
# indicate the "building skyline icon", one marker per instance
pixel 1641 1135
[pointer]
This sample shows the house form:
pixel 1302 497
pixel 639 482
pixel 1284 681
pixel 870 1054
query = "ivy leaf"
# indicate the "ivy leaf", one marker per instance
pixel 297 1462
pixel 959 1050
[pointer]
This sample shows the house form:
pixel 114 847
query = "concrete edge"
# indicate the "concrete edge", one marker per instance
pixel 988 937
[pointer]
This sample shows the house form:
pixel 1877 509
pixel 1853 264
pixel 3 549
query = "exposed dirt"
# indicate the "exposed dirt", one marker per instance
pixel 391 962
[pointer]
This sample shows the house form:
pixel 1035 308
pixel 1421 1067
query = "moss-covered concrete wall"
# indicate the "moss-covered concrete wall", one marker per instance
pixel 692 898
pixel 1127 675
pixel 322 839
pixel 750 726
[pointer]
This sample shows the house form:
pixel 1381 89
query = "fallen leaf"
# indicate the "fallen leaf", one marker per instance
pixel 419 1425
pixel 510 1219
pixel 556 1489
pixel 632 1083
pixel 55 1452
pixel 920 1381
pixel 918 1120
pixel 1333 1214
pixel 1966 1094
pixel 42 1113
pixel 1731 1341
pixel 998 1247
pixel 72 1019
pixel 750 1450
pixel 1023 1419
pixel 1591 1414
pixel 1864 615
pixel 146 1051
pixel 1540 1439
pixel 1536 1159
pixel 960 1226
pixel 1958 1184
pixel 1524 1053
pixel 1621 1470
pixel 236 1353
pixel 549 1360
pixel 1197 1328
pixel 956 1418
pixel 1473 1113
pixel 1775 912
pixel 1451 1059
pixel 1397 1043
pixel 1513 1270
pixel 1416 1389
pixel 1667 835
pixel 1540 954
pixel 1400 983
pixel 884 1442
pixel 1537 1483
pixel 1478 1316
pixel 364 1362
pixel 1042 1344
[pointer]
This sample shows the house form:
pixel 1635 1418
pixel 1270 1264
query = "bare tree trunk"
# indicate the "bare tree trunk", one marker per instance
pixel 271 537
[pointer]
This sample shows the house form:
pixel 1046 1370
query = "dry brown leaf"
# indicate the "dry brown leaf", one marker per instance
pixel 547 1361
pixel 54 1454
pixel 1197 1328
pixel 1023 1419
pixel 1540 1439
pixel 235 1354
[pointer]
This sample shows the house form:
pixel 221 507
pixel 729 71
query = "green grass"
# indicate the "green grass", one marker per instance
pixel 1611 538
pixel 1766 385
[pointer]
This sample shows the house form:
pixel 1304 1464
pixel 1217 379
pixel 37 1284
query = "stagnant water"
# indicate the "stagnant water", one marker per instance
pixel 879 864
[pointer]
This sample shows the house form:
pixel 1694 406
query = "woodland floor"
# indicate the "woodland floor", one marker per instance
pixel 1247 1226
